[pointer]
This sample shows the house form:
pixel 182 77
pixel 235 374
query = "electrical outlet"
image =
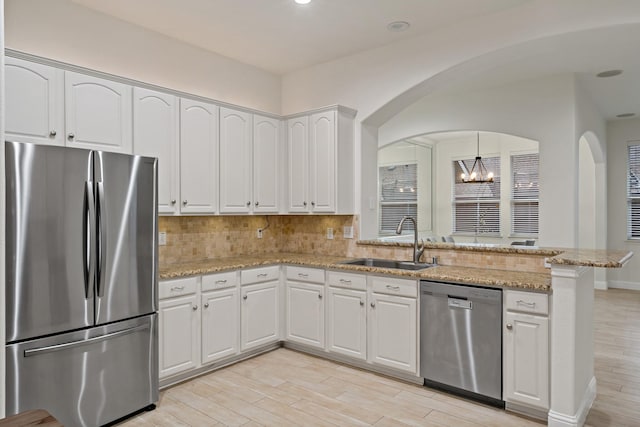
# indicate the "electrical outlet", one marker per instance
pixel 259 233
pixel 347 232
pixel 330 233
pixel 162 238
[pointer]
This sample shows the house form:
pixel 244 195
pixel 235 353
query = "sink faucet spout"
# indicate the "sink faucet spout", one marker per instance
pixel 417 252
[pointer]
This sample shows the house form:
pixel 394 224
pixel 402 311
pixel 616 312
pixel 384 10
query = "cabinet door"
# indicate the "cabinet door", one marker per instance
pixel 259 312
pixel 98 113
pixel 526 359
pixel 393 332
pixel 34 102
pixel 198 156
pixel 266 164
pixel 322 162
pixel 235 161
pixel 179 335
pixel 220 324
pixel 298 162
pixel 347 322
pixel 155 134
pixel 305 313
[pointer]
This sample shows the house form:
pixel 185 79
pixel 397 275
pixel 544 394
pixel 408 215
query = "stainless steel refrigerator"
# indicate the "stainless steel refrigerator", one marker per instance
pixel 81 283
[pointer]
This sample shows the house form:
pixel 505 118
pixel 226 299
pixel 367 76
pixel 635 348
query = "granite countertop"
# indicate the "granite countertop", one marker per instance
pixel 486 277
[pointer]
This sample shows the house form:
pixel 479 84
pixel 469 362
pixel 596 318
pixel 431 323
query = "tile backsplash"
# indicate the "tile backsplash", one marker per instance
pixel 194 238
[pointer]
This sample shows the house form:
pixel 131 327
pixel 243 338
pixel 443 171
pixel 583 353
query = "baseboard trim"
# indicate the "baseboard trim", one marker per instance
pixel 621 284
pixel 556 419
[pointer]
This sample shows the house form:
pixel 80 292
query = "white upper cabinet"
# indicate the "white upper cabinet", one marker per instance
pixel 155 134
pixel 298 162
pixel 267 164
pixel 235 161
pixel 34 102
pixel 321 162
pixel 198 156
pixel 98 113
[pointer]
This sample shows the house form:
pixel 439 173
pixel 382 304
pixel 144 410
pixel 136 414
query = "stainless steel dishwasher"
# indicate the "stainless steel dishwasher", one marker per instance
pixel 461 340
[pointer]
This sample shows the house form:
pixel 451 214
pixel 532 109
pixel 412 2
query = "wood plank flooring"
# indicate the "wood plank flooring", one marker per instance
pixel 287 388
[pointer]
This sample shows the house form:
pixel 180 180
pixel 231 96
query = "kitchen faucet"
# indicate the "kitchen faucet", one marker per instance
pixel 417 253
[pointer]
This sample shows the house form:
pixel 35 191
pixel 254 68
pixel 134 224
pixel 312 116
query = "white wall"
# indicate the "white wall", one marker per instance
pixel 539 109
pixel 67 32
pixel 619 133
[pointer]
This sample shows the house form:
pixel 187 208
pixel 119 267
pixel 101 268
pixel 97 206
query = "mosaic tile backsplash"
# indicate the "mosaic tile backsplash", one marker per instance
pixel 195 238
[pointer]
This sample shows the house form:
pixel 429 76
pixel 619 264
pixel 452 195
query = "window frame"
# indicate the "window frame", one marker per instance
pixel 523 201
pixel 408 229
pixel 631 199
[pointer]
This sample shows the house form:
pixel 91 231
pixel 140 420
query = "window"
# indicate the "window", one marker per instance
pixel 633 192
pixel 524 194
pixel 476 206
pixel 398 196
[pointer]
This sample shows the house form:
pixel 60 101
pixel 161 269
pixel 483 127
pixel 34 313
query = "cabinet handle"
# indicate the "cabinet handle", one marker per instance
pixel 257 204
pixel 313 204
pixel 173 202
pixel 244 297
pixel 248 204
pixel 319 296
pixel 221 281
pixel 206 305
pixel 393 288
pixel 195 307
pixel 262 274
pixel 71 136
pixel 345 281
pixel 528 304
pixel 177 288
pixel 361 303
pixel 509 326
pixel 373 305
pixel 304 204
pixel 184 203
pixel 53 133
pixel 304 275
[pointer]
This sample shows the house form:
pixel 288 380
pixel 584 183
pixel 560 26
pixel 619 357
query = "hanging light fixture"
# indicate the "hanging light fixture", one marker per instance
pixel 479 172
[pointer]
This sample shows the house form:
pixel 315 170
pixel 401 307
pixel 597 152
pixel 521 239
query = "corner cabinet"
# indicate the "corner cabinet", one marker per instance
pixel 198 157
pixel 320 154
pixel 155 134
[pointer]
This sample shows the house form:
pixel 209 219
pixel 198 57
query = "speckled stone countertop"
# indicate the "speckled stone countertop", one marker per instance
pixel 560 256
pixel 486 277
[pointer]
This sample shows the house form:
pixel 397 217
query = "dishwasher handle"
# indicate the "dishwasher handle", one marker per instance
pixel 459 303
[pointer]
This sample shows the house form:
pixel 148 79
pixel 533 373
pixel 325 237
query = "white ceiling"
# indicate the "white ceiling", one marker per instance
pixel 280 36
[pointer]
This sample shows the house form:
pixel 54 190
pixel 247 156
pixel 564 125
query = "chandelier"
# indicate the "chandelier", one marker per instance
pixel 479 172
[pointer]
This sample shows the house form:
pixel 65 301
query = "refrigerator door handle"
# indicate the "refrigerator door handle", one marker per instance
pixel 88 236
pixel 68 345
pixel 102 235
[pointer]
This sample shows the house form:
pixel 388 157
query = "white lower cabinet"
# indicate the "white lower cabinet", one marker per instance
pixel 179 334
pixel 220 324
pixel 259 313
pixel 347 322
pixel 392 327
pixel 305 313
pixel 526 349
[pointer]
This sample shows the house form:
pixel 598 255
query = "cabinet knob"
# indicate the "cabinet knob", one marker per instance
pixel 244 297
pixel 71 136
pixel 184 203
pixel 53 133
pixel 373 305
pixel 173 202
pixel 248 204
pixel 304 204
pixel 195 307
pixel 313 204
pixel 509 326
pixel 206 305
pixel 361 303
pixel 319 296
pixel 257 204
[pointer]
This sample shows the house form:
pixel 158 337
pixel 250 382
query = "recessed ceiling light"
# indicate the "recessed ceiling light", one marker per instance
pixel 302 1
pixel 625 115
pixel 398 26
pixel 609 73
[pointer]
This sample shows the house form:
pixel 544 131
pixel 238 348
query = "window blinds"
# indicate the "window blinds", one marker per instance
pixel 398 196
pixel 476 207
pixel 524 195
pixel 633 192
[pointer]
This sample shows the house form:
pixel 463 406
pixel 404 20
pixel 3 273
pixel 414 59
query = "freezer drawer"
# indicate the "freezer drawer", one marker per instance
pixel 86 378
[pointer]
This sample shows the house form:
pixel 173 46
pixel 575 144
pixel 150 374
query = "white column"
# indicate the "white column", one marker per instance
pixel 573 384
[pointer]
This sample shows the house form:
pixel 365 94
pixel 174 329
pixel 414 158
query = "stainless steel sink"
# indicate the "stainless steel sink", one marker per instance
pixel 387 263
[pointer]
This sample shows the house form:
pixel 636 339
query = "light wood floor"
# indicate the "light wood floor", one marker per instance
pixel 286 388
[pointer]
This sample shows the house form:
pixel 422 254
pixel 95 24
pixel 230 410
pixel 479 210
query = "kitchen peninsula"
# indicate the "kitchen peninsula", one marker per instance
pixel 565 385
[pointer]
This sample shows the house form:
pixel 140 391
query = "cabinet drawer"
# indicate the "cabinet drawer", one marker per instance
pixel 347 280
pixel 526 302
pixel 257 275
pixel 303 274
pixel 219 281
pixel 393 286
pixel 177 287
